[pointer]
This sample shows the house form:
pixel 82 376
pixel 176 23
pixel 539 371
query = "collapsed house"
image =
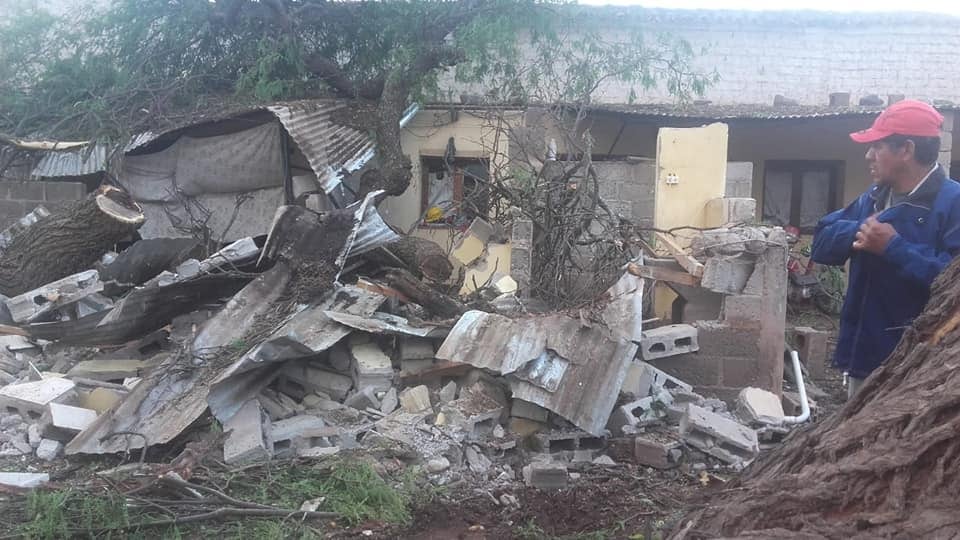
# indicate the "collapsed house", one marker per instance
pixel 326 332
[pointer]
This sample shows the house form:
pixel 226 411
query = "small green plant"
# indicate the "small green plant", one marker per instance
pixel 63 514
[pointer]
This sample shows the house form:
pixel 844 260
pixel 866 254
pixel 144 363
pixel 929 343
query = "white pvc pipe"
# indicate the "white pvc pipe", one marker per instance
pixel 804 404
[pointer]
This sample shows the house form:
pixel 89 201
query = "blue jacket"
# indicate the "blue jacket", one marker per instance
pixel 885 293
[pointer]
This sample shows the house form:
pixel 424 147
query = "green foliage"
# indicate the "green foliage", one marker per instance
pixel 57 514
pixel 135 64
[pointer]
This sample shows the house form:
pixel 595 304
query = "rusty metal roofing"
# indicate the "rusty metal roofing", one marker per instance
pixel 78 162
pixel 329 147
pixel 560 363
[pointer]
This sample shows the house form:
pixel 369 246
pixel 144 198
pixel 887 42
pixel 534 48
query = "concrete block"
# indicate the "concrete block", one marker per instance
pixel 448 393
pixel 248 436
pixel 546 475
pixel 416 399
pixel 655 451
pixel 739 179
pixel 23 480
pixel 294 427
pixel 812 346
pixel 726 275
pixel 634 414
pixel 371 367
pixel 390 401
pixel 314 379
pixel 339 358
pixel 719 339
pixel 718 436
pixel 531 411
pixel 792 407
pixel 49 449
pixel 742 310
pixel 108 370
pixel 64 422
pixel 363 398
pixel 30 399
pixel 669 340
pixel 569 441
pixel 730 211
pixel 758 406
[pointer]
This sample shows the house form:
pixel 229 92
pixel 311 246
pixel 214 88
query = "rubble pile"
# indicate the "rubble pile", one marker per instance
pixel 308 344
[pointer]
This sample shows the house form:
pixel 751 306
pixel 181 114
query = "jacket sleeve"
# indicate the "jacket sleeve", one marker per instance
pixel 922 263
pixel 835 233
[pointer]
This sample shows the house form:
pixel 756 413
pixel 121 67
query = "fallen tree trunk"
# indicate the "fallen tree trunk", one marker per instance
pixel 68 241
pixel 424 258
pixel 432 300
pixel 886 465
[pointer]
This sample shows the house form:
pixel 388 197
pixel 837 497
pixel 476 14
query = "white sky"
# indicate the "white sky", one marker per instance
pixel 930 6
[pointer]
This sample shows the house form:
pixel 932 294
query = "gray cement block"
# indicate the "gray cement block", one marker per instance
pixel 635 413
pixel 655 451
pixel 669 340
pixel 415 399
pixel 812 347
pixel 333 384
pixel 248 439
pixel 531 411
pixel 416 348
pixel 363 398
pixel 718 436
pixel 30 399
pixel 757 406
pixel 742 310
pixel 371 367
pixel 726 275
pixel 546 475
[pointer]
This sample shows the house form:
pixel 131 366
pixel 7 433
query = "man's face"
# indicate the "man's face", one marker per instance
pixel 886 161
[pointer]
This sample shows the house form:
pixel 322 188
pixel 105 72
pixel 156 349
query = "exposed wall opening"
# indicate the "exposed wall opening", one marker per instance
pixel 455 191
pixel 799 193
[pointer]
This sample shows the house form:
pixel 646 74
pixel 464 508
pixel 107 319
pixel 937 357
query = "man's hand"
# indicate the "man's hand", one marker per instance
pixel 874 236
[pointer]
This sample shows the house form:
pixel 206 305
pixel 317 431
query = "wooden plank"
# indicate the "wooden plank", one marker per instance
pixel 663 274
pixel 686 261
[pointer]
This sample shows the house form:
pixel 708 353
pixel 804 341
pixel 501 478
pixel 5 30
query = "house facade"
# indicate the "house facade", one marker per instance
pixel 792 86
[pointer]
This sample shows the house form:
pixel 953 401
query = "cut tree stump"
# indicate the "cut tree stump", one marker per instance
pixel 68 241
pixel 424 258
pixel 887 465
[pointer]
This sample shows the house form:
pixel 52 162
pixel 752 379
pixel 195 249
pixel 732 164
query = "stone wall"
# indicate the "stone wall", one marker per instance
pixel 19 198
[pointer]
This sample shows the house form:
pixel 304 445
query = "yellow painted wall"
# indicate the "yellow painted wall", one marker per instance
pixel 697 157
pixel 477 134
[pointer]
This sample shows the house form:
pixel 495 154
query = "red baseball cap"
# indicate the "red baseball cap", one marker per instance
pixel 907 117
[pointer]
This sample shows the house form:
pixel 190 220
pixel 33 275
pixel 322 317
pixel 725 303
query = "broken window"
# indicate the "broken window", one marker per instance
pixel 454 193
pixel 799 193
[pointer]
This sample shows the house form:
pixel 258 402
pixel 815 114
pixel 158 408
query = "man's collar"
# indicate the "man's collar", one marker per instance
pixel 922 195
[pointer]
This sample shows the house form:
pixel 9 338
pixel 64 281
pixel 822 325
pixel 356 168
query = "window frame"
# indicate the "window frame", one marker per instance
pixel 458 174
pixel 796 168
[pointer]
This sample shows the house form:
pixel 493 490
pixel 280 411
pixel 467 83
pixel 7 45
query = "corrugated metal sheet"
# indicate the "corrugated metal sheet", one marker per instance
pixel 328 146
pixel 554 361
pixel 385 323
pixel 79 162
pixel 738 112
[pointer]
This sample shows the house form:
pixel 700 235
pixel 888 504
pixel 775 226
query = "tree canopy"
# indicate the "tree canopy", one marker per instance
pixel 132 65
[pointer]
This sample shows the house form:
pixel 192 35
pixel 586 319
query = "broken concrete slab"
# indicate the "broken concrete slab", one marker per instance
pixel 727 275
pixel 315 379
pixel 669 340
pixel 656 451
pixel 23 480
pixel 531 411
pixel 297 426
pixel 757 406
pixel 416 399
pixel 718 436
pixel 32 305
pixel 546 357
pixel 64 422
pixel 476 460
pixel 413 366
pixel 473 242
pixel 623 315
pixel 31 399
pixel 371 367
pixel 390 401
pixel 448 393
pixel 604 460
pixel 49 449
pixel 248 437
pixel 363 398
pixel 546 475
pixel 108 369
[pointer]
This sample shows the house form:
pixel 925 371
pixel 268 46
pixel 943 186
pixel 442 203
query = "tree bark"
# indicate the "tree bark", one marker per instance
pixel 432 300
pixel 886 465
pixel 68 241
pixel 421 256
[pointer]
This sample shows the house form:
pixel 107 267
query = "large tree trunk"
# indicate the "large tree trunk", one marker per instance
pixel 886 465
pixel 68 241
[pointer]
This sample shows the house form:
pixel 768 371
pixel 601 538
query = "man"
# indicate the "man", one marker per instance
pixel 898 236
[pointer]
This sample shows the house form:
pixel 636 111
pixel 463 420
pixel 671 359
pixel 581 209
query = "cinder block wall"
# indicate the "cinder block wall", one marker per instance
pixel 19 198
pixel 628 188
